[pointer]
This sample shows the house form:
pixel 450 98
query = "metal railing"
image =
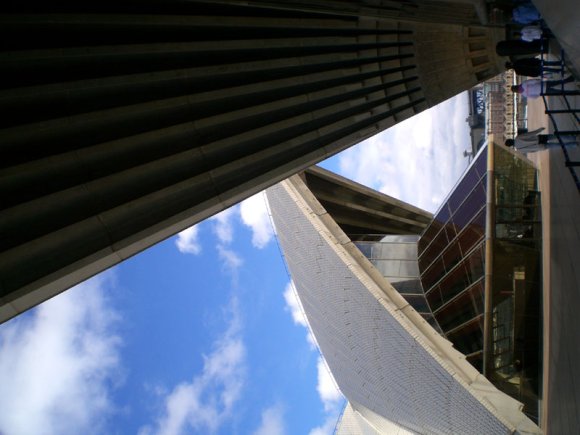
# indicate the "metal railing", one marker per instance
pixel 556 115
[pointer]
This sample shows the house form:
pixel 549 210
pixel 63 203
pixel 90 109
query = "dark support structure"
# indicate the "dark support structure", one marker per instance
pixel 125 122
pixel 363 213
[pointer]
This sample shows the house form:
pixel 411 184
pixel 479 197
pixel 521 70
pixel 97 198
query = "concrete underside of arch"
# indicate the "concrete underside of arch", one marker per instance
pixel 126 124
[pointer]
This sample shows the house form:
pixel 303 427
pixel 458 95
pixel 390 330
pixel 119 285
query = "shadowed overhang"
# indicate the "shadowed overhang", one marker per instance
pixel 361 212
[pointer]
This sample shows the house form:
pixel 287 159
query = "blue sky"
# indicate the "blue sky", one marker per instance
pixel 202 333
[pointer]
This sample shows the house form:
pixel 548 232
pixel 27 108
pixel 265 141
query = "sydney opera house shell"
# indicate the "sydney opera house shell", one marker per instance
pixel 411 349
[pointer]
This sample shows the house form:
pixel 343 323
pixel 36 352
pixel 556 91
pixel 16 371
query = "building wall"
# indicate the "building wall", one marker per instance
pixel 500 110
pixel 383 355
pixel 480 267
pixel 358 420
pixel 125 123
pixel 396 258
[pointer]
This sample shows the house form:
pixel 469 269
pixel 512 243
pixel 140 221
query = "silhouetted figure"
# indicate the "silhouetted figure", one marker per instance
pixel 516 47
pixel 532 67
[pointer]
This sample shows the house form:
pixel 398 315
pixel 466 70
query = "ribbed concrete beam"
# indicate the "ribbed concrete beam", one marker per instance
pixel 363 213
pixel 125 122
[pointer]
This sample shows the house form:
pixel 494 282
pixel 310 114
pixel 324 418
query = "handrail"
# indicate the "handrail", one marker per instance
pixel 569 110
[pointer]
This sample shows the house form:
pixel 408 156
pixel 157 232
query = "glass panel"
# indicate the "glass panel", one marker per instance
pixel 451 256
pixel 388 267
pixel 433 274
pixel 476 360
pixel 475 265
pixel 418 302
pixel 395 251
pixel 443 214
pixel 434 298
pixel 473 233
pixel 516 347
pixel 466 307
pixel 424 262
pixel 469 339
pixel 454 282
pixel 474 202
pixel 395 257
pixel 480 164
pixel 429 235
pixel 463 188
pixel 408 268
pixel 423 242
pixel 365 248
pixel 433 323
pixel 408 286
pixel 438 244
pixel 401 238
pixel 450 230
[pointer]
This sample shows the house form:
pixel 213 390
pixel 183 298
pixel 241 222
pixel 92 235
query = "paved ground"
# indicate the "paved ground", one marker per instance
pixel 561 296
pixel 561 216
pixel 561 251
pixel 563 18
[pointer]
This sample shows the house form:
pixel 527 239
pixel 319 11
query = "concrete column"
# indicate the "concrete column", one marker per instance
pixel 124 123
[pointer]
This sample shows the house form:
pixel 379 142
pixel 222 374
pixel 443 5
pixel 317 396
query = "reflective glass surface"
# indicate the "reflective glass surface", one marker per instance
pixel 442 275
pixel 452 265
pixel 451 262
pixel 396 258
pixel 515 364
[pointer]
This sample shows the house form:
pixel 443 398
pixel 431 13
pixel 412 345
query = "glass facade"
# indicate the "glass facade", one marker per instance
pixel 396 258
pixel 515 363
pixel 451 258
pixel 444 276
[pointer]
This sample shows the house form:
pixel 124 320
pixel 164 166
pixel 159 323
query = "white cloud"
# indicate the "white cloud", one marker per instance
pixel 255 214
pixel 223 226
pixel 331 398
pixel 231 260
pixel 294 306
pixel 187 241
pixel 417 161
pixel 327 428
pixel 272 422
pixel 206 402
pixel 57 364
pixel 329 393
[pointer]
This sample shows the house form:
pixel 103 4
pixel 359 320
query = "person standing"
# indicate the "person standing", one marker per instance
pixel 532 66
pixel 515 47
pixel 532 88
pixel 533 141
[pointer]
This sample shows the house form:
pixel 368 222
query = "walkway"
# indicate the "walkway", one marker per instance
pixel 563 19
pixel 561 280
